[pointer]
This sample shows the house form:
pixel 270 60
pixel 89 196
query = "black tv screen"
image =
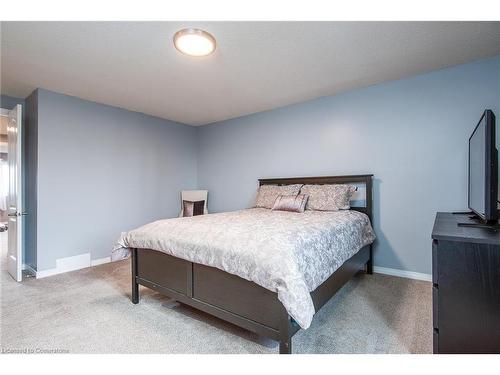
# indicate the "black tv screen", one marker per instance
pixel 483 169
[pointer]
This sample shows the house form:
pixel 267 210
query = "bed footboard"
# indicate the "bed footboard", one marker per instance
pixel 211 290
pixel 230 297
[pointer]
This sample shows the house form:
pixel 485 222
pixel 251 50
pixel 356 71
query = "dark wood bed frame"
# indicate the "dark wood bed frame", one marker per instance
pixel 237 300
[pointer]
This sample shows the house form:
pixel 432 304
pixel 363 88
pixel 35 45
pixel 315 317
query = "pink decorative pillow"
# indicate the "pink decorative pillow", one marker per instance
pixel 328 197
pixel 291 203
pixel 268 193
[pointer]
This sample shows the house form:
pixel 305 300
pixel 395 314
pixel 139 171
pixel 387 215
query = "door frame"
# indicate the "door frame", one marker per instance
pixel 4 112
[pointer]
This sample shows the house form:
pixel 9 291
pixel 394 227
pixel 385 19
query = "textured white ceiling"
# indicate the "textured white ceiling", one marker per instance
pixel 257 66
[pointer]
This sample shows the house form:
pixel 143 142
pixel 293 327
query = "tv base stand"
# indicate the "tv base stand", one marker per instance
pixel 475 221
pixel 462 213
pixel 480 225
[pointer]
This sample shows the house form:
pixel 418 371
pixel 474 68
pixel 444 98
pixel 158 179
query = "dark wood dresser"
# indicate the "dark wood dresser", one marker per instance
pixel 466 286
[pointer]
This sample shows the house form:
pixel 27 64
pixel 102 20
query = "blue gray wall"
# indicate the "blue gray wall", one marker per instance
pixel 412 134
pixel 9 102
pixel 103 170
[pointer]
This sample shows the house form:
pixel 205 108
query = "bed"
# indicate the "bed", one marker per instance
pixel 262 270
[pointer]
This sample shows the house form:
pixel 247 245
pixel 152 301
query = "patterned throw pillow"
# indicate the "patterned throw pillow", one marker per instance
pixel 291 203
pixel 328 197
pixel 267 194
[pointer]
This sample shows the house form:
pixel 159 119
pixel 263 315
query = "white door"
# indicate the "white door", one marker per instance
pixel 14 200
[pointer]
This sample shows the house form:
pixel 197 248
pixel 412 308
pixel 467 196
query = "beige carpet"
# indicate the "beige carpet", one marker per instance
pixel 89 311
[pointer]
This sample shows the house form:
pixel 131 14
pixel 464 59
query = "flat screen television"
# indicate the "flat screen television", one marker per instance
pixel 483 169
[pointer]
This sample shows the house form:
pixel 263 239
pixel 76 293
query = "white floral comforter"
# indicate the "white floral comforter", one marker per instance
pixel 288 253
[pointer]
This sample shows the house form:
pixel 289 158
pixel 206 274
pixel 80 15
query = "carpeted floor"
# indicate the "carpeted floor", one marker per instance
pixel 89 311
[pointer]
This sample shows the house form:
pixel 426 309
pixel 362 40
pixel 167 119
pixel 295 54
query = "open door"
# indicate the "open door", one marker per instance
pixel 14 200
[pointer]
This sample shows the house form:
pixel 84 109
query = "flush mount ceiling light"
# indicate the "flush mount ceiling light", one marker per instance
pixel 194 42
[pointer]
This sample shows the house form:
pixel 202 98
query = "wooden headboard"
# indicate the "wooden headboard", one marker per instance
pixel 362 179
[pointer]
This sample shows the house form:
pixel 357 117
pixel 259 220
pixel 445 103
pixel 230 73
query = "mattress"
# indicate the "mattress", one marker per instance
pixel 285 252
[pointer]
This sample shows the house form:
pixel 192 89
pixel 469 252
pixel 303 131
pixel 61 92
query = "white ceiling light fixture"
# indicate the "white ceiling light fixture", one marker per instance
pixel 194 42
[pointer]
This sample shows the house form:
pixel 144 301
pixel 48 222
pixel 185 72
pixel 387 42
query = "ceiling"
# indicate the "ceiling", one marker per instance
pixel 257 65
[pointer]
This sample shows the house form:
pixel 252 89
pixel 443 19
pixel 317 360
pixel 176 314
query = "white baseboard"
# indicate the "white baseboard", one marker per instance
pixel 96 262
pixel 402 273
pixel 47 273
pixel 73 263
pixel 67 264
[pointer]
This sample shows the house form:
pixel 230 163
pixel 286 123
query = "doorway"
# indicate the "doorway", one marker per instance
pixel 11 211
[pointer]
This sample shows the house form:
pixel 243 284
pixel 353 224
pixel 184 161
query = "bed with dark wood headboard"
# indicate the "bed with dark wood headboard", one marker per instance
pixel 239 301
